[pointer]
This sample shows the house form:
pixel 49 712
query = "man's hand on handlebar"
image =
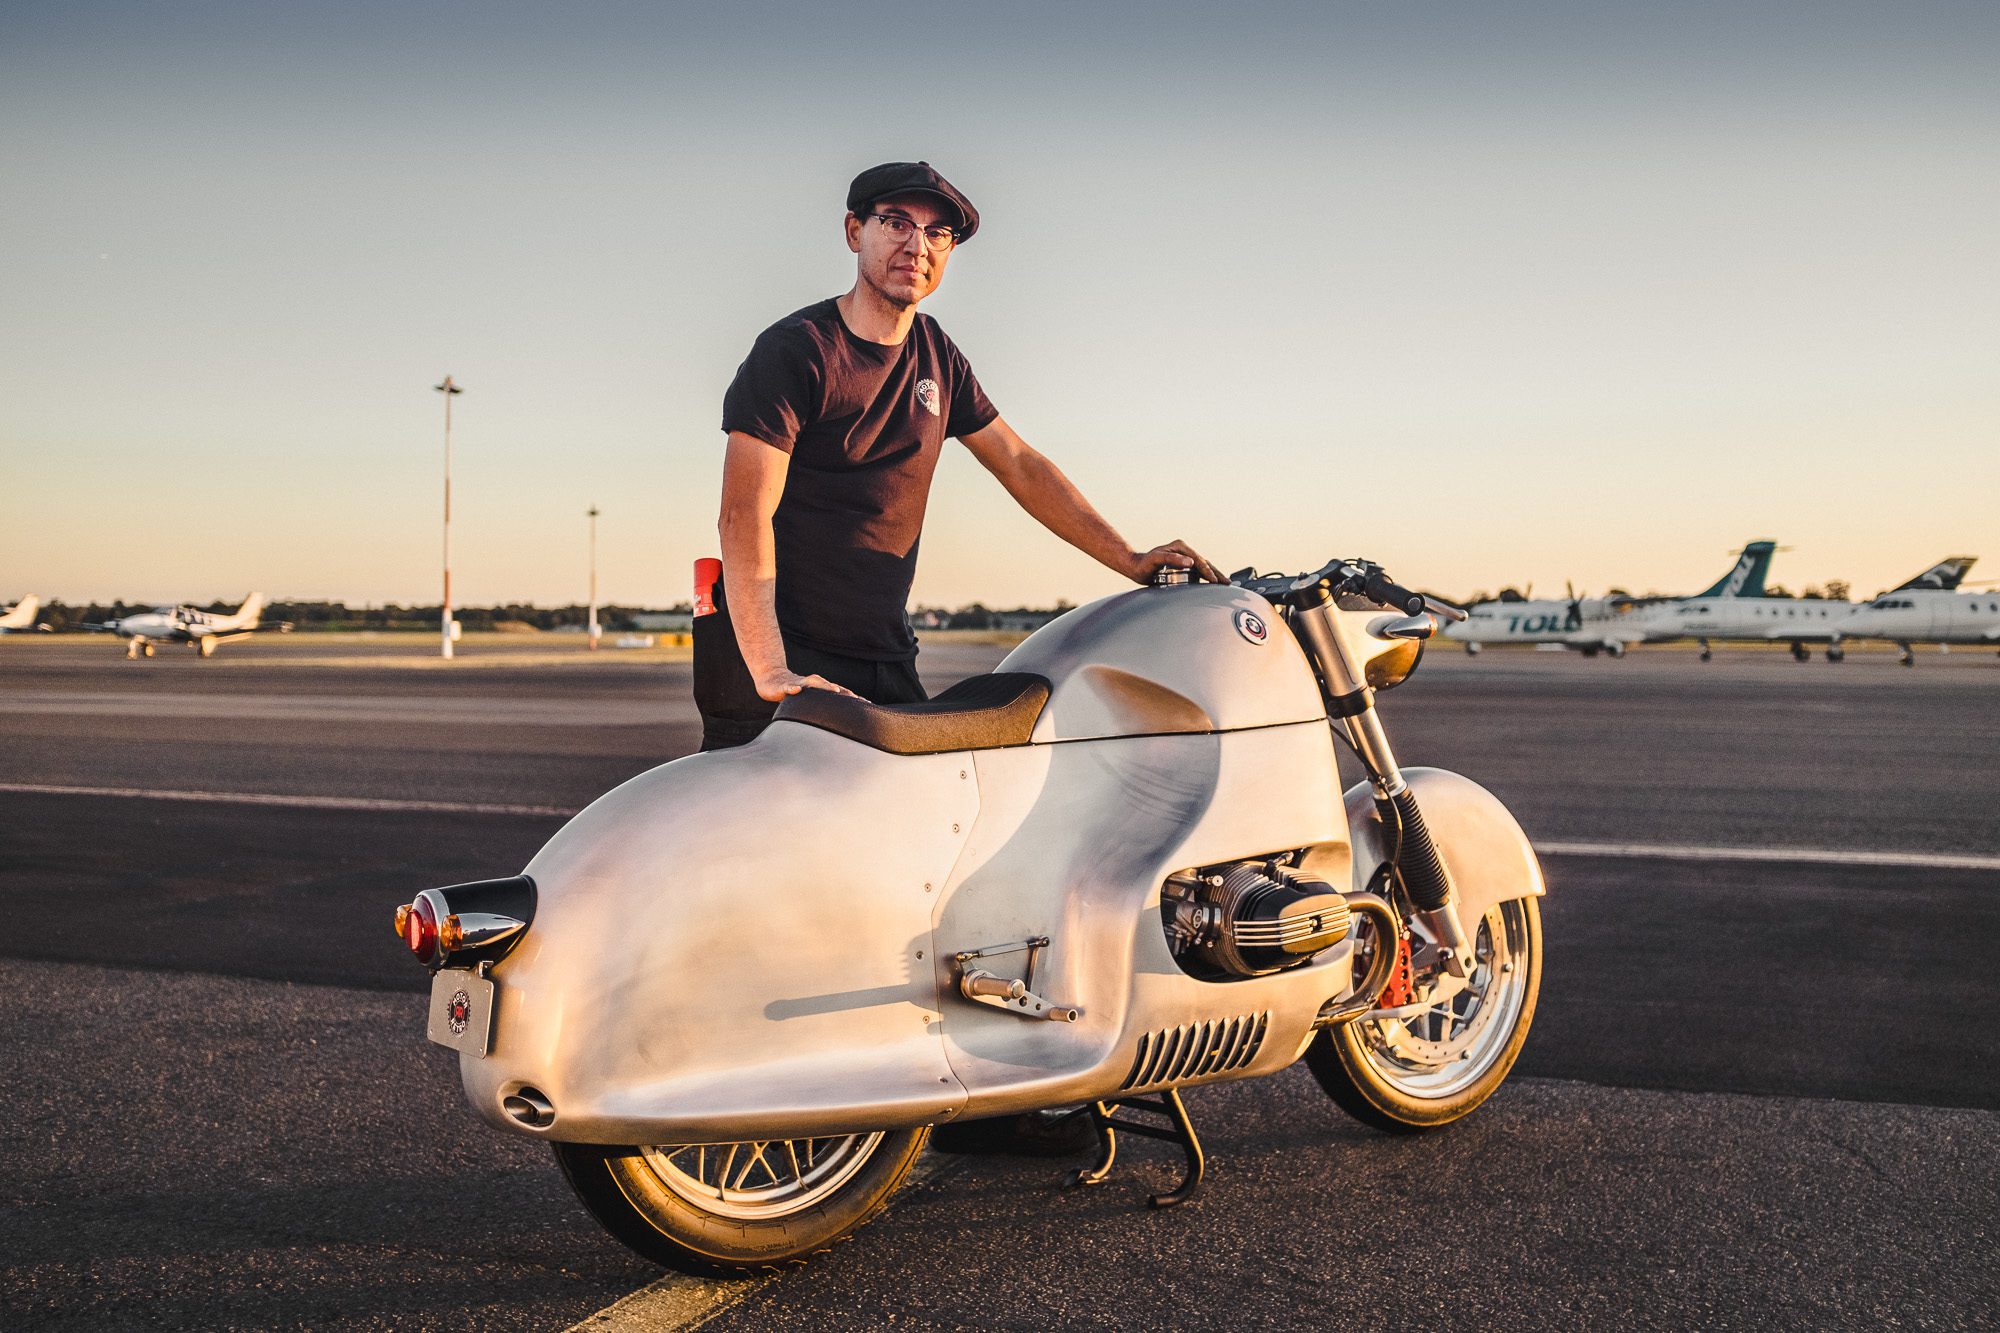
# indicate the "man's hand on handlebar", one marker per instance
pixel 773 686
pixel 1176 555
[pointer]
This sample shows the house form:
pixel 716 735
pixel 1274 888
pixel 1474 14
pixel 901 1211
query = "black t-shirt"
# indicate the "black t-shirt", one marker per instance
pixel 864 424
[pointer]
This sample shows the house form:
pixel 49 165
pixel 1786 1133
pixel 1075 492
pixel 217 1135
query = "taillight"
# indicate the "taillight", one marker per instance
pixel 418 925
pixel 467 924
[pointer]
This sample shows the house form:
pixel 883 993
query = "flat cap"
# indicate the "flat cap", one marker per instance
pixel 893 178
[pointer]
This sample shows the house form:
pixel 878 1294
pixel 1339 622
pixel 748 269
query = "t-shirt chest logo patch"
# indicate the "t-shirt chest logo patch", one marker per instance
pixel 927 394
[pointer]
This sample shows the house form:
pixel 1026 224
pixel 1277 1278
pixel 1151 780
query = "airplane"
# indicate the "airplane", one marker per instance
pixel 1929 609
pixel 1588 625
pixel 1756 618
pixel 21 615
pixel 200 630
pixel 1591 625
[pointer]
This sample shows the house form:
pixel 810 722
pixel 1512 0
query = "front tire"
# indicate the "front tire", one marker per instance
pixel 721 1210
pixel 1425 1070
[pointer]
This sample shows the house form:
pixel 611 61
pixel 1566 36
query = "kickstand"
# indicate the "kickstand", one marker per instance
pixel 1179 1129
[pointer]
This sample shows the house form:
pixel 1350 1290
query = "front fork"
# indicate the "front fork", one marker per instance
pixel 1351 703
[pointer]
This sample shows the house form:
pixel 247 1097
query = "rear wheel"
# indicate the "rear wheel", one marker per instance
pixel 727 1208
pixel 1430 1065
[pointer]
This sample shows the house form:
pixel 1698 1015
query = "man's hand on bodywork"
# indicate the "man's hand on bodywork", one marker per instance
pixel 1174 555
pixel 778 684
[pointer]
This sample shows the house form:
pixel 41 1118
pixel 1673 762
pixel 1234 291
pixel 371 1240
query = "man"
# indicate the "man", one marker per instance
pixel 835 422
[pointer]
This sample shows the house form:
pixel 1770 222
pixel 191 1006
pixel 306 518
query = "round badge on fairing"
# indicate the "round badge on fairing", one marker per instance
pixel 1252 627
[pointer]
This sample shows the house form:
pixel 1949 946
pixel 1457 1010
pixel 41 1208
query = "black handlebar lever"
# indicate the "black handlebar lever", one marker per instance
pixel 1377 587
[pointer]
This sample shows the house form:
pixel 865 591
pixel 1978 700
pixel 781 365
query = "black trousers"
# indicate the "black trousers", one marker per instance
pixel 732 713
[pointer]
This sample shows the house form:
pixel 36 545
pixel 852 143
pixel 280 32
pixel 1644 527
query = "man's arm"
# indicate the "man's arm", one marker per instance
pixel 1039 487
pixel 753 480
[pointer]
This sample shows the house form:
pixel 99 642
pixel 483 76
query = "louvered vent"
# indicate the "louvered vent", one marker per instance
pixel 1196 1050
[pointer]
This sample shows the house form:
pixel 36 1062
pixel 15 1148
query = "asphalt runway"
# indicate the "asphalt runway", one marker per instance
pixel 1758 1090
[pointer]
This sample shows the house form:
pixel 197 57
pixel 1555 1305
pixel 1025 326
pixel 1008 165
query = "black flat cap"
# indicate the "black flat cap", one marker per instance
pixel 893 178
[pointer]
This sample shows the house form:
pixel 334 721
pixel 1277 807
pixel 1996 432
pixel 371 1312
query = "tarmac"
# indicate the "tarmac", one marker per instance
pixel 1761 1089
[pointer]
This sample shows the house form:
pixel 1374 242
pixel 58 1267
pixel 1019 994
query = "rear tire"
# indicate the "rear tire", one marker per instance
pixel 790 1199
pixel 1422 1072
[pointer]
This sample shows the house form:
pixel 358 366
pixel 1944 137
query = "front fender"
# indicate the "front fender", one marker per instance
pixel 1484 850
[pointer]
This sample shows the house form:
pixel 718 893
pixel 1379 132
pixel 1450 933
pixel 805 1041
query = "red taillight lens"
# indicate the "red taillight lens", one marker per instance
pixel 420 929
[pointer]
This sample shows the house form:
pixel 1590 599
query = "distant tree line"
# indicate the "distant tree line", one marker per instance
pixel 335 616
pixel 1835 590
pixel 616 619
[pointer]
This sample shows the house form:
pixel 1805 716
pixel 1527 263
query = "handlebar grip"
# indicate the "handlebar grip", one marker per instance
pixel 1378 588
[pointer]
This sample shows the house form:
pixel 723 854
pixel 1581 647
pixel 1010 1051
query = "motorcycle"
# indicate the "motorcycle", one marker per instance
pixel 735 993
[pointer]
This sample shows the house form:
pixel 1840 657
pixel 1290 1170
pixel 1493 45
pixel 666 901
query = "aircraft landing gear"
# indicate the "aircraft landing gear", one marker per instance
pixel 1908 658
pixel 136 649
pixel 1799 653
pixel 206 645
pixel 1472 650
pixel 1706 651
pixel 1835 653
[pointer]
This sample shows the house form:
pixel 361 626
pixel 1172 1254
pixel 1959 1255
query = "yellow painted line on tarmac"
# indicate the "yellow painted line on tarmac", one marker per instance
pixel 677 1302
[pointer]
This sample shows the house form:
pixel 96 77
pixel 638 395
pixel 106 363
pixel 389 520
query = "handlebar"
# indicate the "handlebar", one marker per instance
pixel 1356 577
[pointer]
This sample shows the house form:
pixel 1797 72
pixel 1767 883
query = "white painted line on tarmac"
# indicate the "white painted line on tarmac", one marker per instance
pixel 1824 856
pixel 677 1302
pixel 294 802
pixel 1829 856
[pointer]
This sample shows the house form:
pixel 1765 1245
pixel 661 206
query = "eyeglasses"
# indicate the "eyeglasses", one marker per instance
pixel 936 238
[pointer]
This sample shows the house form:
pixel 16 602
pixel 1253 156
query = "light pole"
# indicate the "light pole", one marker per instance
pixel 594 631
pixel 450 391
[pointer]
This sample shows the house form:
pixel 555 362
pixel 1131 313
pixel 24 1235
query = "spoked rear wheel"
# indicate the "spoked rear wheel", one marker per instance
pixel 1427 1067
pixel 728 1208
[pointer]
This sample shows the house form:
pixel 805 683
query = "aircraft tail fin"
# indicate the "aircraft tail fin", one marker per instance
pixel 22 613
pixel 252 608
pixel 1944 576
pixel 1746 577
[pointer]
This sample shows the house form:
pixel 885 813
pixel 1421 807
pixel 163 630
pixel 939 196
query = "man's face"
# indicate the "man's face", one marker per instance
pixel 903 271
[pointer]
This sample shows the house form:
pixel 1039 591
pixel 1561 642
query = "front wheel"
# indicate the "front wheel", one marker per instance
pixel 1429 1066
pixel 722 1209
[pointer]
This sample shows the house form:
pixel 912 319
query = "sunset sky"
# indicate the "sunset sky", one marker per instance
pixel 1490 293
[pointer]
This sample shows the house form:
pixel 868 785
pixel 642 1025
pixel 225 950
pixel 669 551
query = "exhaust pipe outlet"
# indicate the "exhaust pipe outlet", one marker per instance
pixel 530 1108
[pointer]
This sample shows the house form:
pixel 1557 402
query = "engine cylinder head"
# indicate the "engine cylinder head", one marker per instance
pixel 1248 918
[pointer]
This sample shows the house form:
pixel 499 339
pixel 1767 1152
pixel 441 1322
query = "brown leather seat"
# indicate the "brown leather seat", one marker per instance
pixel 979 713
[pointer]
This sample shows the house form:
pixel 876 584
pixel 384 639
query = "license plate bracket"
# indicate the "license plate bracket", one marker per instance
pixel 462 1004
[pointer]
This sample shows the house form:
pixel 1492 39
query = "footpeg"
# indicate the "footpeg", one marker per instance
pixel 1015 995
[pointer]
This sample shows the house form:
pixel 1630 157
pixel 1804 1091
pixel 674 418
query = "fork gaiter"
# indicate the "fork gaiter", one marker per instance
pixel 1417 859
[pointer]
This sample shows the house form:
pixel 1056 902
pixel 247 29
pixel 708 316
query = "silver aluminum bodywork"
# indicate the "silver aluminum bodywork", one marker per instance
pixel 761 942
pixel 1168 660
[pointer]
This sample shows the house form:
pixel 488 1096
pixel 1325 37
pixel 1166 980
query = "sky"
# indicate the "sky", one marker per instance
pixel 1493 294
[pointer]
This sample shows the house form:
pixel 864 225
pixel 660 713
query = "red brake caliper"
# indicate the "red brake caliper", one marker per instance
pixel 1397 992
